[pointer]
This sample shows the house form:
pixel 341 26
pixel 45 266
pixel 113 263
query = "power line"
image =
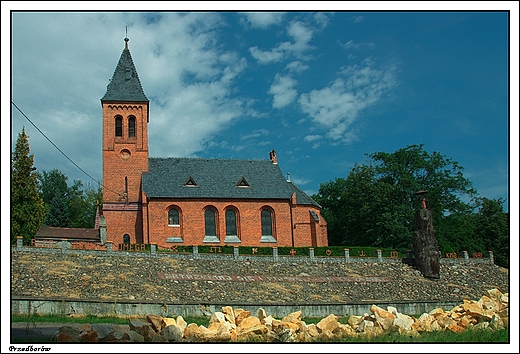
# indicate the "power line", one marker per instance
pixel 68 158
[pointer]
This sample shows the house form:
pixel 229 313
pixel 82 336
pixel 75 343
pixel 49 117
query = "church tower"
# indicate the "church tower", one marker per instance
pixel 125 152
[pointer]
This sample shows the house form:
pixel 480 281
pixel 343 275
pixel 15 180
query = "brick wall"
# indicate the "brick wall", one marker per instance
pixel 308 232
pixel 122 172
pixel 115 166
pixel 121 222
pixel 192 227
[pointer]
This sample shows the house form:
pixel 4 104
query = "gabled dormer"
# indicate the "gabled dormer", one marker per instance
pixel 190 182
pixel 242 183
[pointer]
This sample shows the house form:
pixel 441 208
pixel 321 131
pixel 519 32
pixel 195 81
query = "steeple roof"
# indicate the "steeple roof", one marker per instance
pixel 125 84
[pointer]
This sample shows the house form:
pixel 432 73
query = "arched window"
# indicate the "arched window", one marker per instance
pixel 126 238
pixel 173 217
pixel 131 127
pixel 231 223
pixel 119 126
pixel 209 222
pixel 175 233
pixel 267 224
pixel 266 217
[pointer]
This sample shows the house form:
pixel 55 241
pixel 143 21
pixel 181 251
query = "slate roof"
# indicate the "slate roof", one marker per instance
pixel 125 84
pixel 215 178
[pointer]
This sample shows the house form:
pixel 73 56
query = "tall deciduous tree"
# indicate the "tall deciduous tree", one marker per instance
pixel 375 204
pixel 27 207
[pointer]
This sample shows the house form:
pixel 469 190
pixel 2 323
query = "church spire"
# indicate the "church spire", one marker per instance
pixel 125 84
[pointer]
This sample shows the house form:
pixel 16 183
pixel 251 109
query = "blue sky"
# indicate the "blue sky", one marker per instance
pixel 321 88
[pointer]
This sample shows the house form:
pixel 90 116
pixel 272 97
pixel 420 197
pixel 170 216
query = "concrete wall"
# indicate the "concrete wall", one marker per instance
pixel 21 306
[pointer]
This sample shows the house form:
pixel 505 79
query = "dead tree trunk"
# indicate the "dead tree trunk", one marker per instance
pixel 425 247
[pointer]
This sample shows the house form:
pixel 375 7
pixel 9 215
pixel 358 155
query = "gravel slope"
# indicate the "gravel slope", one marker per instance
pixel 113 277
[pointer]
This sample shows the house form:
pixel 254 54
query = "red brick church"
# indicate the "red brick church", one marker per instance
pixel 192 201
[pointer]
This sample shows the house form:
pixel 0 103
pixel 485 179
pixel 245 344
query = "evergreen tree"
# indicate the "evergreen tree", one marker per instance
pixel 58 214
pixel 27 207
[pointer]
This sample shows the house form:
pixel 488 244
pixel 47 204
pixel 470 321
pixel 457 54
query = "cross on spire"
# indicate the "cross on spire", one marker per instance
pixel 126 37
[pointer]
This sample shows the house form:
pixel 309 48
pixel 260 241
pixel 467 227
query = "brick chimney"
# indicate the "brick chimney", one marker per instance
pixel 272 157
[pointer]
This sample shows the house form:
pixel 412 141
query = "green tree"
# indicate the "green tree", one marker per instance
pixel 53 184
pixel 27 207
pixel 68 206
pixel 375 204
pixel 492 229
pixel 457 234
pixel 83 207
pixel 58 213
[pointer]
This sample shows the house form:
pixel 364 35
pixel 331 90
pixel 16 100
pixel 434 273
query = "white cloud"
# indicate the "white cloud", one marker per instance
pixel 301 35
pixel 300 181
pixel 263 20
pixel 351 45
pixel 265 57
pixel 296 66
pixel 255 134
pixel 322 19
pixel 283 91
pixel 337 106
pixel 311 138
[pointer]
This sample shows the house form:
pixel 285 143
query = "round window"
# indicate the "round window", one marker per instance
pixel 125 153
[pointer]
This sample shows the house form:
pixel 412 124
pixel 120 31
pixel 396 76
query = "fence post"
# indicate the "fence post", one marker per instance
pixel 491 257
pixel 196 251
pixel 109 246
pixel 19 242
pixel 311 253
pixel 275 253
pixel 346 252
pixel 235 253
pixel 379 256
